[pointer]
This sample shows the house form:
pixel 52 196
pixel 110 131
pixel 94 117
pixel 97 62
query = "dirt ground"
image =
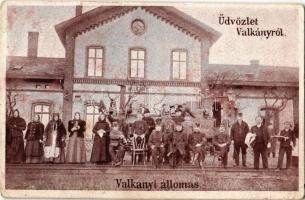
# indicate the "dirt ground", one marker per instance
pixel 104 177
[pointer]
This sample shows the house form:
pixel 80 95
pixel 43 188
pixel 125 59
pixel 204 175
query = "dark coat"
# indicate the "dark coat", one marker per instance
pixel 80 131
pixel 156 138
pixel 265 136
pixel 16 126
pixel 100 149
pixel 34 131
pixel 150 122
pixel 60 130
pixel 197 138
pixel 239 131
pixel 16 153
pixel 290 134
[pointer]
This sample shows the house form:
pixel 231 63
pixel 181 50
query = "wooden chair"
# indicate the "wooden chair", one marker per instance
pixel 138 148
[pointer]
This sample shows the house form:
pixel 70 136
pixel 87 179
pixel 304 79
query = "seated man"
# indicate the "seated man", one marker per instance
pixel 168 127
pixel 155 142
pixel 221 141
pixel 117 142
pixel 177 146
pixel 197 142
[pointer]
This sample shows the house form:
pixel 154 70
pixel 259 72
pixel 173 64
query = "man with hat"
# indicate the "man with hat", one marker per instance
pixel 221 141
pixel 239 131
pixel 261 143
pixel 139 129
pixel 177 147
pixel 197 141
pixel 151 126
pixel 156 144
pixel 117 142
pixel 287 142
pixel 168 128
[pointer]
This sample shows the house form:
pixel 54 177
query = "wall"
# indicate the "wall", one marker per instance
pixel 25 100
pixel 158 40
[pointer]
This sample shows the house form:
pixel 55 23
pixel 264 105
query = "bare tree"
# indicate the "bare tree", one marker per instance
pixel 221 81
pixel 11 102
pixel 276 101
pixel 156 106
pixel 134 88
pixel 113 102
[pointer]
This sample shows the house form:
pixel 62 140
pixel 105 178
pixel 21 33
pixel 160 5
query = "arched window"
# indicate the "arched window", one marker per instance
pixel 43 109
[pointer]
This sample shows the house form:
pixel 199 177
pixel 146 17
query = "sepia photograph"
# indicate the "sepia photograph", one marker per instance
pixel 148 100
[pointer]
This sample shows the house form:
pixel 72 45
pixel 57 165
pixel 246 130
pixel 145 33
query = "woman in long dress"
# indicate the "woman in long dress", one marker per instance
pixel 34 141
pixel 16 126
pixel 55 135
pixel 100 147
pixel 76 152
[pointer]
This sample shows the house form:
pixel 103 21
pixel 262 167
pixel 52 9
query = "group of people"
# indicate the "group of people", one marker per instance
pixel 171 139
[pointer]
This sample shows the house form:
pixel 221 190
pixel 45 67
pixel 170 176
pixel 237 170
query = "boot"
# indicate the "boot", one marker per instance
pixel 244 158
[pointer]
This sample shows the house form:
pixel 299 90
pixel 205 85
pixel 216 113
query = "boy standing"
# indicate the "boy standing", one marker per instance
pixel 286 138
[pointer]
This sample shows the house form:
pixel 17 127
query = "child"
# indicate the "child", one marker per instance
pixel 117 142
pixel 286 138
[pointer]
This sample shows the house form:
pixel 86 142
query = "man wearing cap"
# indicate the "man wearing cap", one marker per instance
pixel 178 117
pixel 188 128
pixel 168 127
pixel 196 143
pixel 151 126
pixel 177 147
pixel 261 142
pixel 221 141
pixel 156 144
pixel 139 130
pixel 116 145
pixel 287 140
pixel 239 131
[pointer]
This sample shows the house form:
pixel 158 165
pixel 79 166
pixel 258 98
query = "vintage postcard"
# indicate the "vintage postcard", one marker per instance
pixel 139 100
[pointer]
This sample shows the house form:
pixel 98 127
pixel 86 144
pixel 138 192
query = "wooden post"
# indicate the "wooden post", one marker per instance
pixel 122 98
pixel 68 83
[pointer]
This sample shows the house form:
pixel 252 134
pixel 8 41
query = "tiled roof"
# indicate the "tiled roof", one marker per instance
pixel 25 67
pixel 258 75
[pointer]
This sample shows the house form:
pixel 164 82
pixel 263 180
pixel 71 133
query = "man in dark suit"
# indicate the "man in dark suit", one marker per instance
pixel 261 143
pixel 239 131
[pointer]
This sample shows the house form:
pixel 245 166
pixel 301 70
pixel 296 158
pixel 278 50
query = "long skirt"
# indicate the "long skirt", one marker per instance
pixel 76 152
pixel 33 151
pixel 16 152
pixel 54 153
pixel 99 151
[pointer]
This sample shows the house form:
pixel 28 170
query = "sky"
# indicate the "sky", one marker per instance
pixel 230 48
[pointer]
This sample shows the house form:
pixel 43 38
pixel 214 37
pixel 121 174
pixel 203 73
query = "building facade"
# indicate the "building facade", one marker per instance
pixel 134 56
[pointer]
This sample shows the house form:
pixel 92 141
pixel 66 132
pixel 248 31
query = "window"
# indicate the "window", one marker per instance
pixel 95 61
pixel 179 60
pixel 43 110
pixel 137 63
pixel 92 115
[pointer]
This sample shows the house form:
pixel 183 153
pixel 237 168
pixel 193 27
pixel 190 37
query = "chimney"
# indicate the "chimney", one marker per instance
pixel 78 10
pixel 33 44
pixel 254 62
